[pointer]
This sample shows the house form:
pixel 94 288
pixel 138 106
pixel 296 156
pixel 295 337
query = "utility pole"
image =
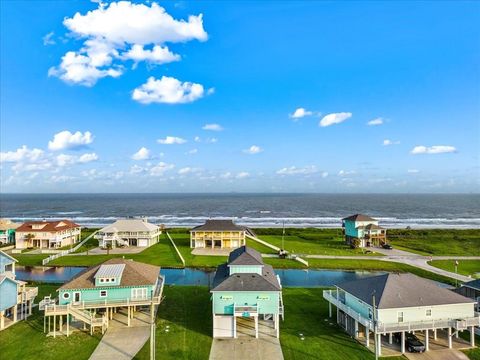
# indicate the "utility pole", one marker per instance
pixel 375 325
pixel 283 236
pixel 152 331
pixel 456 272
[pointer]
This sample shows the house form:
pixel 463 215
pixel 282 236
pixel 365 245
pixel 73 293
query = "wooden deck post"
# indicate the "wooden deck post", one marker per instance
pixel 256 327
pixel 2 319
pixel 54 325
pixel 44 324
pixel 449 337
pixel 15 313
pixel 367 337
pixel 402 340
pixel 426 339
pixel 390 338
pixel 435 334
pixel 60 323
pixel 277 322
pixel 128 315
pixel 68 325
pixel 379 344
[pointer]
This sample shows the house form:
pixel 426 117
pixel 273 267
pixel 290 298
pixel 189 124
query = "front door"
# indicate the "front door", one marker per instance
pixel 76 297
pixel 139 293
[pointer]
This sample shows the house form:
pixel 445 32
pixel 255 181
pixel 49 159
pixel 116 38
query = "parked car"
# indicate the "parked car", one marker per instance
pixel 412 343
pixel 387 246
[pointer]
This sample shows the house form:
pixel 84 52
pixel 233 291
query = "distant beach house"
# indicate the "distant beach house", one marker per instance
pixel 129 232
pixel 246 295
pixel 218 234
pixel 16 299
pixel 396 304
pixel 94 295
pixel 47 234
pixel 7 231
pixel 363 231
pixel 471 289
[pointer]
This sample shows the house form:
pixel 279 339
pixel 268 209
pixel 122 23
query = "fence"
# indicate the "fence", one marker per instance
pixel 66 252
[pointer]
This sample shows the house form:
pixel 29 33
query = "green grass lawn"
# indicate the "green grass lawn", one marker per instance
pixel 91 243
pixel 30 260
pixel 465 267
pixel 26 340
pixel 437 242
pixel 187 314
pixel 310 241
pixel 375 265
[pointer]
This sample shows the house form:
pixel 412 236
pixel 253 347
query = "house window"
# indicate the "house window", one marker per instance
pixel 66 295
pixel 112 280
pixel 102 280
pixel 428 312
pixel 400 316
pixel 103 293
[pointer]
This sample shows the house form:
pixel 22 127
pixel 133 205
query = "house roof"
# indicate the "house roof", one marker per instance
pixel 359 217
pixel 8 256
pixel 6 277
pixel 245 281
pixel 474 284
pixel 129 225
pixel 218 225
pixel 401 290
pixel 134 274
pixel 7 224
pixel 50 226
pixel 245 255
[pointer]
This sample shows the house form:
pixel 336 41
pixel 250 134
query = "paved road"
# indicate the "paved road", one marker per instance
pixel 121 342
pixel 405 257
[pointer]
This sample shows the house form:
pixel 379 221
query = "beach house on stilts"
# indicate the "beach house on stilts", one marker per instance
pixel 246 297
pixel 377 310
pixel 16 298
pixel 96 294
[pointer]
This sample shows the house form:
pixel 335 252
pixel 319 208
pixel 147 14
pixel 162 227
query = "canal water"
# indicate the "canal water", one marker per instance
pixel 188 276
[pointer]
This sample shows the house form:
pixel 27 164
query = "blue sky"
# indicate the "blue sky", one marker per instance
pixel 90 91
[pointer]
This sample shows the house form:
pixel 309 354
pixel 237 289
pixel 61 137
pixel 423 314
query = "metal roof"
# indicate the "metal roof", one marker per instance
pixel 245 281
pixel 474 284
pixel 110 271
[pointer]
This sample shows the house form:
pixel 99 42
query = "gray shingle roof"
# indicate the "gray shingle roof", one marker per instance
pixel 245 282
pixel 245 256
pixel 401 290
pixel 359 217
pixel 474 284
pixel 219 225
pixel 134 274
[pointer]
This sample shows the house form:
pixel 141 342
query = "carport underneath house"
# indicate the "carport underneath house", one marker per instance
pixel 403 303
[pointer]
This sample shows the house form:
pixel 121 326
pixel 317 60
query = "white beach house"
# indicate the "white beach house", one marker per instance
pixel 129 232
pixel 403 303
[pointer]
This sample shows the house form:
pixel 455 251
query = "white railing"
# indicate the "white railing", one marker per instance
pixel 239 310
pixel 459 324
pixel 176 249
pixel 66 252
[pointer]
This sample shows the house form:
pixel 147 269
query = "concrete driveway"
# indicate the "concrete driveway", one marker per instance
pixel 246 347
pixel 438 355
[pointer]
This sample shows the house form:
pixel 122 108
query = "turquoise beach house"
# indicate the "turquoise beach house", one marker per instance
pixel 363 231
pixel 96 294
pixel 7 231
pixel 246 295
pixel 16 299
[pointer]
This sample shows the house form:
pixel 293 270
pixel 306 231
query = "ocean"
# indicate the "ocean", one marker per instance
pixel 254 210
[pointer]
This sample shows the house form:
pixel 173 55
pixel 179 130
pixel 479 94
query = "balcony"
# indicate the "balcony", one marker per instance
pixel 459 324
pixel 245 310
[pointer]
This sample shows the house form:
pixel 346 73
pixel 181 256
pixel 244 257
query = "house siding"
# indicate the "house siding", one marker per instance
pixel 93 294
pixel 245 269
pixel 410 314
pixel 267 302
pixel 8 294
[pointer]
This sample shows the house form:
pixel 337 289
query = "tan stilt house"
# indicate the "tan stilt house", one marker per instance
pixel 218 234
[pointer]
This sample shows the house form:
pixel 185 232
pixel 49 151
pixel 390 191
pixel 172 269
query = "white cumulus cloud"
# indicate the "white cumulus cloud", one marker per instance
pixel 86 158
pixel 167 90
pixel 212 127
pixel 254 149
pixel 300 113
pixel 142 154
pixel 375 122
pixel 334 118
pixel 22 154
pixel 436 149
pixel 160 169
pixel 242 175
pixel 192 152
pixel 170 140
pixel 120 31
pixel 66 140
pixel 293 170
pixel 388 142
pixel 48 39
